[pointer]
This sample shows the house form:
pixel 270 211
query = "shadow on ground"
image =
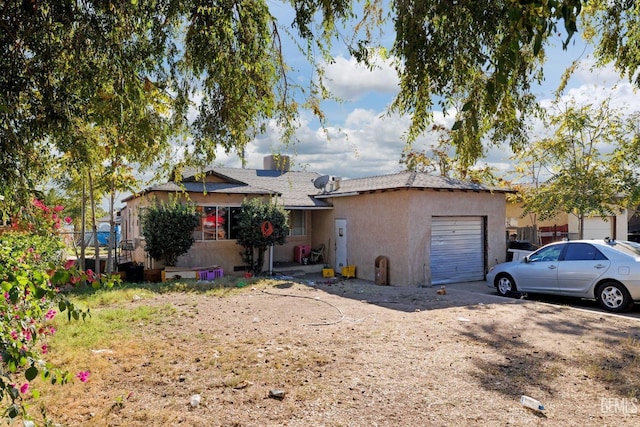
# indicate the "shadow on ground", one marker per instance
pixel 412 298
pixel 403 298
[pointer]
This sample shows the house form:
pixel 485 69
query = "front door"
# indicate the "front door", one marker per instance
pixel 341 244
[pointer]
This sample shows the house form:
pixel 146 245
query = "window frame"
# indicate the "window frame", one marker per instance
pixel 213 211
pixel 302 227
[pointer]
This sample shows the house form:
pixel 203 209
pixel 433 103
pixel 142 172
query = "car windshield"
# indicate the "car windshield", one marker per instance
pixel 631 248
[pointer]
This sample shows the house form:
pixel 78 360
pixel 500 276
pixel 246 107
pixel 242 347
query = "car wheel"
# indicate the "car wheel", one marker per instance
pixel 505 285
pixel 613 296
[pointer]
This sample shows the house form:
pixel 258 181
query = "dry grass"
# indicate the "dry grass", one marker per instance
pixel 346 354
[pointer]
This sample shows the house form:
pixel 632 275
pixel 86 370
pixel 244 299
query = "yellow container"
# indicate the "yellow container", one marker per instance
pixel 328 272
pixel 348 271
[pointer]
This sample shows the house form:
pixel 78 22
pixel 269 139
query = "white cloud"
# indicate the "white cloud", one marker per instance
pixel 349 80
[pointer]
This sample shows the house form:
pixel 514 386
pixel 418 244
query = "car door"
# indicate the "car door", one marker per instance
pixel 581 265
pixel 540 272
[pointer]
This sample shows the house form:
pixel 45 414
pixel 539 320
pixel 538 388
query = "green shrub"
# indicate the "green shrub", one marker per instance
pixel 260 225
pixel 168 230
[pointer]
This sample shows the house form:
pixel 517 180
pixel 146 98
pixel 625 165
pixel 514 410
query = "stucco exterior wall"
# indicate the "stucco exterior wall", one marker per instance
pixel 377 224
pixel 392 223
pixel 397 224
pixel 322 226
pixel 515 217
pixel 204 253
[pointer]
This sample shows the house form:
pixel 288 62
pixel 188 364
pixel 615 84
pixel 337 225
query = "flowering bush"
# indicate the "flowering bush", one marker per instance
pixel 31 275
pixel 41 219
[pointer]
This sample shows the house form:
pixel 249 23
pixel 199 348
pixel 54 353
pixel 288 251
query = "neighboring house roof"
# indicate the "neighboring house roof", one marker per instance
pixel 293 189
pixel 405 180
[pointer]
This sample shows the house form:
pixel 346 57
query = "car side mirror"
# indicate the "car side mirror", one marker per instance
pixel 525 259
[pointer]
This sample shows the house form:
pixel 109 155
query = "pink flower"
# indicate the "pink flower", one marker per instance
pixel 24 388
pixel 91 276
pixel 68 219
pixel 83 376
pixel 14 335
pixel 52 330
pixel 58 208
pixel 38 204
pixel 50 314
pixel 45 349
pixel 70 263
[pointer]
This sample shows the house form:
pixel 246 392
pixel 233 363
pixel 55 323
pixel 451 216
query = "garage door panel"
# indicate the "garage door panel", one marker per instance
pixel 457 249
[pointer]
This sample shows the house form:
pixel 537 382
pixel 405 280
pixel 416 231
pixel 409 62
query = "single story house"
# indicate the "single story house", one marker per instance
pixel 428 229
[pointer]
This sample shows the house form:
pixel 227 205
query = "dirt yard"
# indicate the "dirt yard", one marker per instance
pixel 356 354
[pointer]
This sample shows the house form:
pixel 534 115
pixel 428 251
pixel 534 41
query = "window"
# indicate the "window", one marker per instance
pixel 216 223
pixel 297 223
pixel 582 252
pixel 549 253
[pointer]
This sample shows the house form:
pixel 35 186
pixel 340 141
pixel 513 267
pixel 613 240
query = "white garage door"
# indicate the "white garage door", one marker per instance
pixel 597 228
pixel 457 249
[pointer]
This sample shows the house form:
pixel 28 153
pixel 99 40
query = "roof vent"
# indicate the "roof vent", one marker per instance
pixel 336 182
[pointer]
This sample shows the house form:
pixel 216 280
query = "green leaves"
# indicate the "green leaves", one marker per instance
pixel 580 178
pixel 255 216
pixel 168 229
pixel 31 373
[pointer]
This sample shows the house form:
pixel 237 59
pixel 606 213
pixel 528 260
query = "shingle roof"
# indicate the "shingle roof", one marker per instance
pixel 294 189
pixel 405 180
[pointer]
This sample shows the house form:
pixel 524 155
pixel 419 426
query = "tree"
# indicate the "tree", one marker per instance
pixel 529 165
pixel 168 230
pixel 585 170
pixel 260 225
pixel 441 159
pixel 476 59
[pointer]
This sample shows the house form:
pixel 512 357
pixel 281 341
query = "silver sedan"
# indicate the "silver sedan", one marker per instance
pixel 605 270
